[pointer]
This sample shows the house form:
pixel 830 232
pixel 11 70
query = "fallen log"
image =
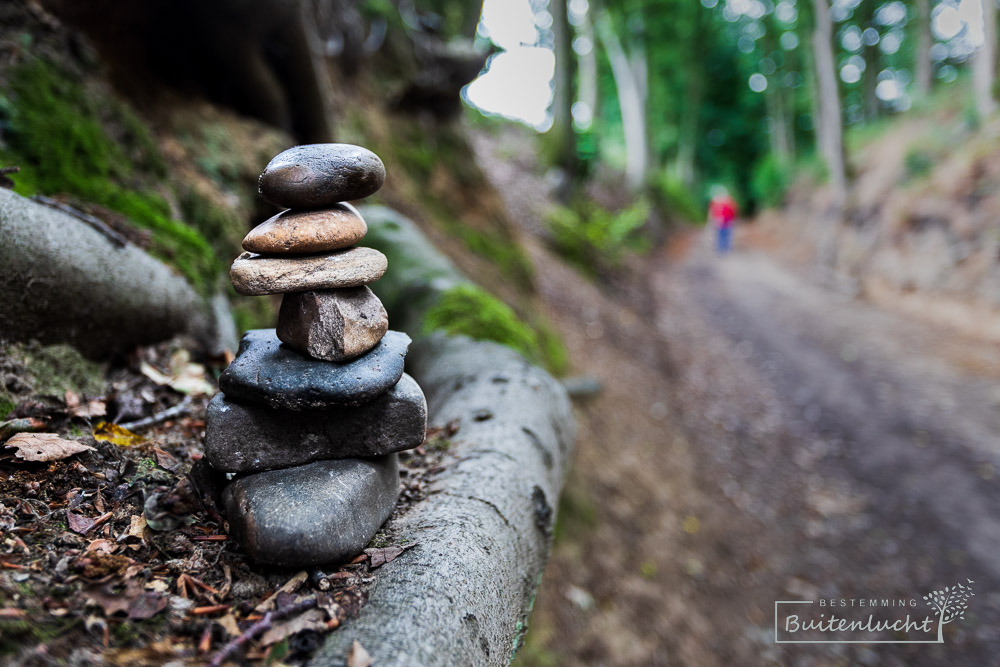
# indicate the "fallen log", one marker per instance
pixel 63 281
pixel 462 595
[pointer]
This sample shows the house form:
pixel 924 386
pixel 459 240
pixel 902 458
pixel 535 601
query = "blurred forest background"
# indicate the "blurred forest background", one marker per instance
pixel 563 152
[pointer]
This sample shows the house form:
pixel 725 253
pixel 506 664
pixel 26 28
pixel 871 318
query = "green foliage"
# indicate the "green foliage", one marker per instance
pixel 917 162
pixel 770 181
pixel 675 199
pixel 595 239
pixel 505 253
pixel 6 404
pixel 470 311
pixel 259 313
pixel 65 141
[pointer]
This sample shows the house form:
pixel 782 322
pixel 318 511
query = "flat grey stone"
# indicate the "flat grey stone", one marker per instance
pixel 320 513
pixel 334 325
pixel 255 275
pixel 242 438
pixel 317 175
pixel 269 373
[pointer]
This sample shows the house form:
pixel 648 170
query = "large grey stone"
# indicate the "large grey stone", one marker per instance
pixel 320 513
pixel 244 438
pixel 290 232
pixel 255 275
pixel 334 325
pixel 317 175
pixel 269 373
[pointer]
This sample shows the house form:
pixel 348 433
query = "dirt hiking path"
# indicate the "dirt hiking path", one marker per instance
pixel 760 438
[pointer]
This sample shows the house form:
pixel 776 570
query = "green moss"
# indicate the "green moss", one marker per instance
pixel 551 348
pixel 52 370
pixel 471 311
pixel 99 151
pixel 6 404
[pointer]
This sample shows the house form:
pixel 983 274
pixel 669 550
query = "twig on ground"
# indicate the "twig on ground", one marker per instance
pixel 259 628
pixel 178 410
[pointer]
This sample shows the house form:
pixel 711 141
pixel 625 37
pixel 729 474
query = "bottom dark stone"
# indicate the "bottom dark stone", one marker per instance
pixel 316 514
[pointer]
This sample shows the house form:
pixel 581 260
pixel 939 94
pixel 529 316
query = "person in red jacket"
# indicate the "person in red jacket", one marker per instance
pixel 722 213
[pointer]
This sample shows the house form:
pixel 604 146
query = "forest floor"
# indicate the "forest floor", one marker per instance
pixel 759 437
pixel 119 555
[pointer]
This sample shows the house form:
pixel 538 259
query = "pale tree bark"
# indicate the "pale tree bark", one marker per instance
pixel 587 66
pixel 632 104
pixel 564 137
pixel 922 67
pixel 829 130
pixel 984 67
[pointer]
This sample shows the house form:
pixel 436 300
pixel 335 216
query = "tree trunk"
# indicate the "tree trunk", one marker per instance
pixel 694 93
pixel 563 134
pixel 871 55
pixel 984 62
pixel 631 103
pixel 587 66
pixel 922 67
pixel 829 131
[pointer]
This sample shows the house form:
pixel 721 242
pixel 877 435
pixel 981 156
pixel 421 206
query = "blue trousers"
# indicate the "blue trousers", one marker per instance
pixel 725 239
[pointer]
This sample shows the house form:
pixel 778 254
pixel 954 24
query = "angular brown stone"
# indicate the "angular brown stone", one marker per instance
pixel 254 274
pixel 334 325
pixel 317 175
pixel 339 226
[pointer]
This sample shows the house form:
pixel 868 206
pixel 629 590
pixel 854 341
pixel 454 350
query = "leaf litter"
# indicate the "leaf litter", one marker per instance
pixel 113 547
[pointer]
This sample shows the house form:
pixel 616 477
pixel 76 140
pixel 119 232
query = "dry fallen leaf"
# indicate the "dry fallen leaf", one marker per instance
pixel 45 446
pixel 116 435
pixel 310 620
pixel 228 623
pixel 95 407
pixel 185 377
pixel 290 586
pixel 137 527
pixel 358 656
pixel 79 523
pixel 380 556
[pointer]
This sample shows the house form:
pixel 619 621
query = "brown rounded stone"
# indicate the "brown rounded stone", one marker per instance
pixel 317 175
pixel 334 228
pixel 255 275
pixel 333 325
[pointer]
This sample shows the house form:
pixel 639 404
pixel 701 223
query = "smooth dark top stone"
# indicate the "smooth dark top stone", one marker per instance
pixel 267 372
pixel 320 513
pixel 317 175
pixel 241 437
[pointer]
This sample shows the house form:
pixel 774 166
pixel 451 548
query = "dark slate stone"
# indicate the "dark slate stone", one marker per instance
pixel 318 175
pixel 269 373
pixel 245 438
pixel 320 513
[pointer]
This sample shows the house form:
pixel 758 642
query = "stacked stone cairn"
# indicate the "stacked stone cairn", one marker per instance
pixel 312 413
